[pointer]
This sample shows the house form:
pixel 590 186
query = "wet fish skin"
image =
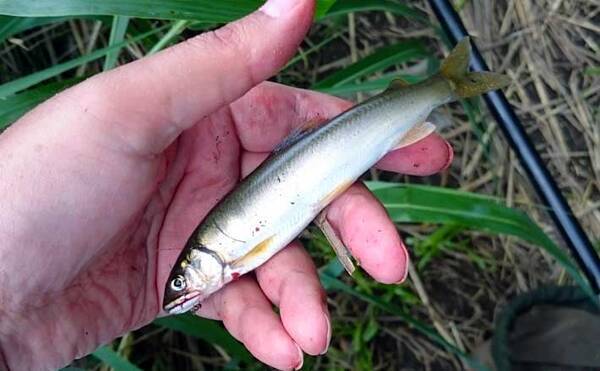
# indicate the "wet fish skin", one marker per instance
pixel 272 206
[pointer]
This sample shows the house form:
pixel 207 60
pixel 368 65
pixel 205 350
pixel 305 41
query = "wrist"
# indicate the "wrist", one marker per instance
pixel 27 341
pixel 3 362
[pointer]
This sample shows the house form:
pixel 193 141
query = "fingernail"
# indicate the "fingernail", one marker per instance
pixel 275 8
pixel 301 363
pixel 328 334
pixel 450 156
pixel 406 260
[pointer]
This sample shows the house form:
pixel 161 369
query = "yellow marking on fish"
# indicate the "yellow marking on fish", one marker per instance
pixel 337 191
pixel 256 251
pixel 184 264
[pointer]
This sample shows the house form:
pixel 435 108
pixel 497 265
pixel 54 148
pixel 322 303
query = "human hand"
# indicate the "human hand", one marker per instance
pixel 101 186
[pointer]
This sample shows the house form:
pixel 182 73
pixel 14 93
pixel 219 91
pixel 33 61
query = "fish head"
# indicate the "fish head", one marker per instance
pixel 197 274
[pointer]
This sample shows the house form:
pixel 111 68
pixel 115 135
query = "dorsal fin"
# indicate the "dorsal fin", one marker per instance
pixel 397 83
pixel 456 64
pixel 298 133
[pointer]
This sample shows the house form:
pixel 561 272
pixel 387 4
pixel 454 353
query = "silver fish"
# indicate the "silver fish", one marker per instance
pixel 272 206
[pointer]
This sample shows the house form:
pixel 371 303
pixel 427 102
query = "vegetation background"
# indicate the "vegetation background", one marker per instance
pixel 477 233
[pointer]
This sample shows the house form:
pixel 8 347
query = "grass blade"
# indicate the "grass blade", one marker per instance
pixel 13 25
pixel 199 10
pixel 204 10
pixel 333 283
pixel 349 6
pixel 9 26
pixel 114 360
pixel 175 30
pixel 377 61
pixel 407 203
pixel 15 106
pixel 117 34
pixel 23 83
pixel 323 7
pixel 206 330
pixel 592 71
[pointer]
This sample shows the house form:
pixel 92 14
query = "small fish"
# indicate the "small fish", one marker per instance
pixel 272 206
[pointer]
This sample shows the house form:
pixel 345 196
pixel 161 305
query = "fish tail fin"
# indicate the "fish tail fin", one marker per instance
pixel 455 69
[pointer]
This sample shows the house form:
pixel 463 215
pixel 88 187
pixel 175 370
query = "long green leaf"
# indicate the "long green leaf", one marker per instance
pixel 425 204
pixel 199 10
pixel 117 34
pixel 377 61
pixel 323 7
pixel 13 25
pixel 114 360
pixel 349 6
pixel 223 11
pixel 206 330
pixel 14 106
pixel 10 26
pixel 23 83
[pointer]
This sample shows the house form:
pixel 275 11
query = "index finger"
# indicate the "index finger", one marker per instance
pixel 268 113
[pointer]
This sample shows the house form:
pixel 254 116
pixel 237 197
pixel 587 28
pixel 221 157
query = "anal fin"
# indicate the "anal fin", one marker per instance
pixel 418 132
pixel 340 249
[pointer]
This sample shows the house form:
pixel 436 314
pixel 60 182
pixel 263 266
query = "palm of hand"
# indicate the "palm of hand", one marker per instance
pixel 109 278
pixel 102 185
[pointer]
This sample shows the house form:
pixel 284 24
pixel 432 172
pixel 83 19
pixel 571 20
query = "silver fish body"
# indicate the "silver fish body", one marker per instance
pixel 277 201
pixel 281 197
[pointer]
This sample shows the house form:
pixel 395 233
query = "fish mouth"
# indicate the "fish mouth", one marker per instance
pixel 183 303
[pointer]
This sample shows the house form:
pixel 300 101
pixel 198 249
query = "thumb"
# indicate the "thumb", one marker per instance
pixel 152 100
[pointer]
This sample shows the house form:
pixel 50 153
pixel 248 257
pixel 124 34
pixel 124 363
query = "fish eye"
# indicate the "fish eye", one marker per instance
pixel 178 283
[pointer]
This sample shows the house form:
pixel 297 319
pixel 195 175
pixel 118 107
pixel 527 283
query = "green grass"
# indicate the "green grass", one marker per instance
pixel 381 59
pixel 449 212
pixel 117 34
pixel 197 10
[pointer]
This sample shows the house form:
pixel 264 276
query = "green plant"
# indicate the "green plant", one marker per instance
pixel 453 211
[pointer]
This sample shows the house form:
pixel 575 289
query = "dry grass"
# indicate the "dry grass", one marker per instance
pixel 546 46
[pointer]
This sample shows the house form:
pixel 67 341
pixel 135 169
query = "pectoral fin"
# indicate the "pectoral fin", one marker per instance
pixel 298 133
pixel 340 249
pixel 256 252
pixel 415 134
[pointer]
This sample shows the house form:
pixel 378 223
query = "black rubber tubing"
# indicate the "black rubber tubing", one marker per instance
pixel 547 190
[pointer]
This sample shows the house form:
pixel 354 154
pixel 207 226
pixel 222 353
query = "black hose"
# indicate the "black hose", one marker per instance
pixel 546 188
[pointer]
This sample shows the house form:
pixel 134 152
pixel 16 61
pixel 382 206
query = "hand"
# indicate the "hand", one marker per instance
pixel 101 186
